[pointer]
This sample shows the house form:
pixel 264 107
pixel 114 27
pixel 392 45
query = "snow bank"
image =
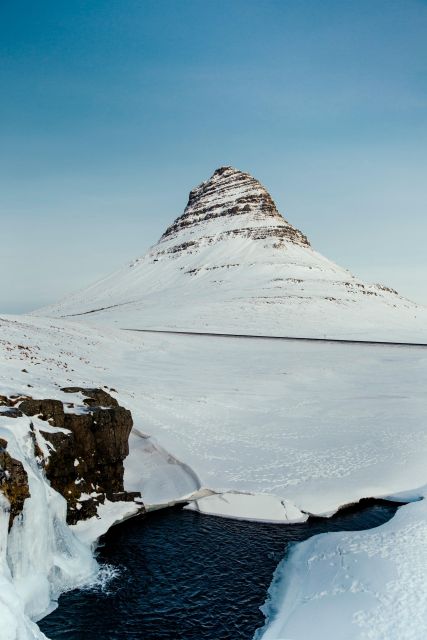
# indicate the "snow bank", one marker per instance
pixel 159 476
pixel 365 585
pixel 109 514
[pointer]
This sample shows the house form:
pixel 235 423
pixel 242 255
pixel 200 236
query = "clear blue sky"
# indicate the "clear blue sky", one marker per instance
pixel 110 111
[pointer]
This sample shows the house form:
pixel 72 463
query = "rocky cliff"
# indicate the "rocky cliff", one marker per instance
pixel 82 458
pixel 13 482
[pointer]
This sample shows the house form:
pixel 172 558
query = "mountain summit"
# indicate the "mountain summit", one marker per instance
pixel 239 204
pixel 231 263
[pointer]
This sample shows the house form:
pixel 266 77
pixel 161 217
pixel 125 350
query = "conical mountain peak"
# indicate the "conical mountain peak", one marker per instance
pixel 233 202
pixel 232 264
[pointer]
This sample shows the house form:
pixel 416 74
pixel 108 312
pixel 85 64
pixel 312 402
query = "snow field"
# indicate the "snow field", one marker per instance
pixel 314 425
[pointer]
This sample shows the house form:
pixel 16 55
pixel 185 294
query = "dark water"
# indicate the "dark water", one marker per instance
pixel 184 576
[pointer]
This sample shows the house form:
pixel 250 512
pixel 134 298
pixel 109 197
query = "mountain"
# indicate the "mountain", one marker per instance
pixel 232 263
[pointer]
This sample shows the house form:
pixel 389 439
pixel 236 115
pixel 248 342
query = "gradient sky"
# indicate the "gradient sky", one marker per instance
pixel 111 111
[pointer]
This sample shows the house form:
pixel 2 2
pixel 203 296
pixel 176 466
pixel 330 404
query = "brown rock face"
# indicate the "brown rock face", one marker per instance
pixel 50 410
pixel 230 195
pixel 13 482
pixel 88 459
pixel 95 397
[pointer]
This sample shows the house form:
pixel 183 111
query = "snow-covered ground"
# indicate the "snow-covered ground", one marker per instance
pixel 313 425
pixel 319 424
pixel 239 287
pixel 365 585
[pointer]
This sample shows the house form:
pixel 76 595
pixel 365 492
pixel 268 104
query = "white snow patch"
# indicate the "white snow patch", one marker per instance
pixel 109 513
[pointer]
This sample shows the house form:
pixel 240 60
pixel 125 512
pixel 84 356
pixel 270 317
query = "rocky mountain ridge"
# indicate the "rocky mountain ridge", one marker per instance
pixel 243 205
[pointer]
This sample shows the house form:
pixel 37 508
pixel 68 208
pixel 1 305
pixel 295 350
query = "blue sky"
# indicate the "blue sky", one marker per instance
pixel 111 111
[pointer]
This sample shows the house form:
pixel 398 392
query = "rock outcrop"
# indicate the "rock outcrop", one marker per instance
pixel 86 452
pixel 49 410
pixel 13 482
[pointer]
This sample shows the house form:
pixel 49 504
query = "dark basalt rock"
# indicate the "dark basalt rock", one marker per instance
pixel 11 412
pixel 88 457
pixel 11 401
pixel 13 482
pixel 51 410
pixel 95 397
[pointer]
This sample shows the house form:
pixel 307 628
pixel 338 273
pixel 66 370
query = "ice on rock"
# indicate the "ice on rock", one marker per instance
pixel 40 557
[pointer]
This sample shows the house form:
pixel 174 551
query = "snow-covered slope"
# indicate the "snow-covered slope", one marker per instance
pixel 318 424
pixel 361 585
pixel 231 263
pixel 300 427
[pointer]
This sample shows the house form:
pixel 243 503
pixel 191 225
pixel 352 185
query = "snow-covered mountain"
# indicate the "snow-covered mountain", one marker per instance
pixel 232 263
pixel 254 429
